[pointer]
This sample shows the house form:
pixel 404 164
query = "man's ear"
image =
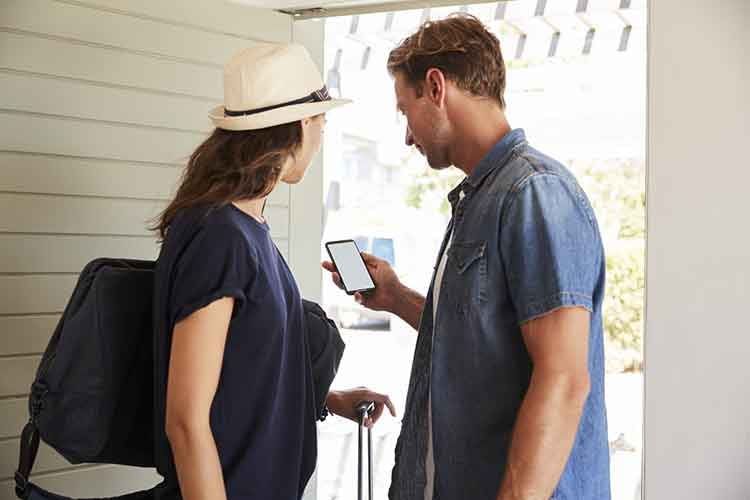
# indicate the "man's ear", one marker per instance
pixel 434 83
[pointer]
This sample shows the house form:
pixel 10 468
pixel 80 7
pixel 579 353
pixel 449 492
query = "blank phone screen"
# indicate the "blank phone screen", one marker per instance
pixel 350 265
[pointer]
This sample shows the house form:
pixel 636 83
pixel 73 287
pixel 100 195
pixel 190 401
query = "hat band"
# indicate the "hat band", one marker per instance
pixel 317 96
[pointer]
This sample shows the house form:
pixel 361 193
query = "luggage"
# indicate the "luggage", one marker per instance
pixel 364 409
pixel 91 398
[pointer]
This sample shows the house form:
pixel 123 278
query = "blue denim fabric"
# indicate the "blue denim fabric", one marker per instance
pixel 525 242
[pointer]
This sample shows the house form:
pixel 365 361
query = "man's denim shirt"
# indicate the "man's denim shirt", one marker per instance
pixel 525 243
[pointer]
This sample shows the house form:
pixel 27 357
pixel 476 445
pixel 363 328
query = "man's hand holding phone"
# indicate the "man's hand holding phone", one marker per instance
pixel 387 284
pixel 385 293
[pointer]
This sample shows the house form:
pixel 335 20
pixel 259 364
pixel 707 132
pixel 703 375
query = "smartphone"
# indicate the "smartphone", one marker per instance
pixel 350 266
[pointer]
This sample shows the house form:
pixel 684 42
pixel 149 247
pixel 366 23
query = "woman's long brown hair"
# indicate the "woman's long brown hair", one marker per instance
pixel 232 166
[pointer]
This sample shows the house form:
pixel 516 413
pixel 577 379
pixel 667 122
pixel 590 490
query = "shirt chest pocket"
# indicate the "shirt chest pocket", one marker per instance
pixel 468 263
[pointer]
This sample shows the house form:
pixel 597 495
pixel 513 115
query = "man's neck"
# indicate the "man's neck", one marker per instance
pixel 478 128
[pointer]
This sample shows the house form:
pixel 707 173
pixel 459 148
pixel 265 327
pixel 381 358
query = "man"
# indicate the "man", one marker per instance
pixel 506 398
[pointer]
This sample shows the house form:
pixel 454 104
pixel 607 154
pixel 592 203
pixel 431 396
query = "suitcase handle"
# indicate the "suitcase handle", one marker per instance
pixel 364 409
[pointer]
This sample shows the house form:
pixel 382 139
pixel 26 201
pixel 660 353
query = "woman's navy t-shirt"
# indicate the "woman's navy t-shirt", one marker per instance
pixel 263 413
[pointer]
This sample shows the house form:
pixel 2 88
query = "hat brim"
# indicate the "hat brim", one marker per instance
pixel 278 116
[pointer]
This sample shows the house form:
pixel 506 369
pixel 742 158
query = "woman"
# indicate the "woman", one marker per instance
pixel 236 390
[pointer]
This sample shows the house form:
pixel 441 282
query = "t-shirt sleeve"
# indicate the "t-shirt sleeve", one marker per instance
pixel 215 264
pixel 550 247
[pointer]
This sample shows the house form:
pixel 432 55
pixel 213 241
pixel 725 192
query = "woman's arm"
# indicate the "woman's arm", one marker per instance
pixel 344 403
pixel 194 368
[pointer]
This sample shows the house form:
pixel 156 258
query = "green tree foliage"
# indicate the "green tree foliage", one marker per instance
pixel 623 303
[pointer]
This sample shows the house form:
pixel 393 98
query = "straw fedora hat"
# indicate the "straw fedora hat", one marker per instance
pixel 271 84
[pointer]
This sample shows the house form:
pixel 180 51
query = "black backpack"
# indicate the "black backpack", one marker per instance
pixel 92 397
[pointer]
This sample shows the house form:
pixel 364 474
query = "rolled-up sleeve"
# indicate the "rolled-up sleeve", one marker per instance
pixel 215 264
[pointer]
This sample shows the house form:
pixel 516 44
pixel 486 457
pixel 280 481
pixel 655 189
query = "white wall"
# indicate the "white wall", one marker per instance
pixel 101 101
pixel 306 205
pixel 697 422
pixel 306 209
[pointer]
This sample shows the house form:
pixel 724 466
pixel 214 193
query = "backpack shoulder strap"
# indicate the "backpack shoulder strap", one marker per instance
pixel 29 441
pixel 27 456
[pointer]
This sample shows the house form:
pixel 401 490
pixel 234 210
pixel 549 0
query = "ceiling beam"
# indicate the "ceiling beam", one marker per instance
pixel 321 12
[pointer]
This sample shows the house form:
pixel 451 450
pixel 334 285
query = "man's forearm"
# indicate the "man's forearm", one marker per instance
pixel 408 305
pixel 543 436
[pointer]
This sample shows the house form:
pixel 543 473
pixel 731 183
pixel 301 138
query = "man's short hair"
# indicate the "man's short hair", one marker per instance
pixel 461 47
